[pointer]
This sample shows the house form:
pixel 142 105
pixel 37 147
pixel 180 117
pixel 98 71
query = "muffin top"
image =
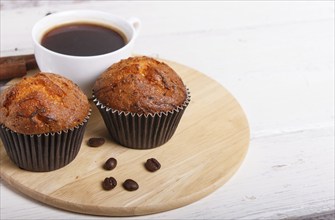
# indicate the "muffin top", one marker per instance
pixel 43 103
pixel 140 85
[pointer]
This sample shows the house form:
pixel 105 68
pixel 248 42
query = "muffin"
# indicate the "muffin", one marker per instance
pixel 141 101
pixel 43 118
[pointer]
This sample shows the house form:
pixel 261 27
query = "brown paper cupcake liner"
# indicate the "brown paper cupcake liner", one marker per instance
pixel 139 131
pixel 43 152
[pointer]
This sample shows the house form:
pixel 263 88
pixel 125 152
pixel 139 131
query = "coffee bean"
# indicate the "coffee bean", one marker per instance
pixel 96 142
pixel 109 183
pixel 130 185
pixel 152 165
pixel 110 164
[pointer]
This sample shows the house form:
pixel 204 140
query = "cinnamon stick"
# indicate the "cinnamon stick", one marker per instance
pixel 16 66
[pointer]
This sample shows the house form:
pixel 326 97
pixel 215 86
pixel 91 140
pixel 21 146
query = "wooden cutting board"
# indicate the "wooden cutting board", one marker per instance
pixel 208 147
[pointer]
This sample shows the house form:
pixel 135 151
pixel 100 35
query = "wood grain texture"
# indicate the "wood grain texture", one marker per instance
pixel 206 150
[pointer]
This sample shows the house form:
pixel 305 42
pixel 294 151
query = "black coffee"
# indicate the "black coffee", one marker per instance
pixel 83 39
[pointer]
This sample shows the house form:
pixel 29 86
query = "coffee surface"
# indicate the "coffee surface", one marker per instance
pixel 83 39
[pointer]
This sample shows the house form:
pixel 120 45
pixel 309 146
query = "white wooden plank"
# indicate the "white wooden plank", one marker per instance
pixel 171 17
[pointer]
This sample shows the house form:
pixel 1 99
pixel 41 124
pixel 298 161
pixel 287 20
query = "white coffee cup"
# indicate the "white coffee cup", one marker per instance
pixel 82 70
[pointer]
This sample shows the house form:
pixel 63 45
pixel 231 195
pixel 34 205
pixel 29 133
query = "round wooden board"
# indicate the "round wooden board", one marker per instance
pixel 209 145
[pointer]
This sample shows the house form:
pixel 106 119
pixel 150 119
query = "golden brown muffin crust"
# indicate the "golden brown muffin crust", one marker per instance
pixel 140 85
pixel 43 103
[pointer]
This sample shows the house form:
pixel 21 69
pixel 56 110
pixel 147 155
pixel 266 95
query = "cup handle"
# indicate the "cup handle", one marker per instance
pixel 136 23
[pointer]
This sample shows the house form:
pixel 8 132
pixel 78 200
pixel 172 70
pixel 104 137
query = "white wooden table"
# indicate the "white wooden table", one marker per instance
pixel 276 58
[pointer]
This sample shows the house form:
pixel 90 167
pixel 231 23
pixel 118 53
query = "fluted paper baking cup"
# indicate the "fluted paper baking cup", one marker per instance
pixel 140 131
pixel 43 152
